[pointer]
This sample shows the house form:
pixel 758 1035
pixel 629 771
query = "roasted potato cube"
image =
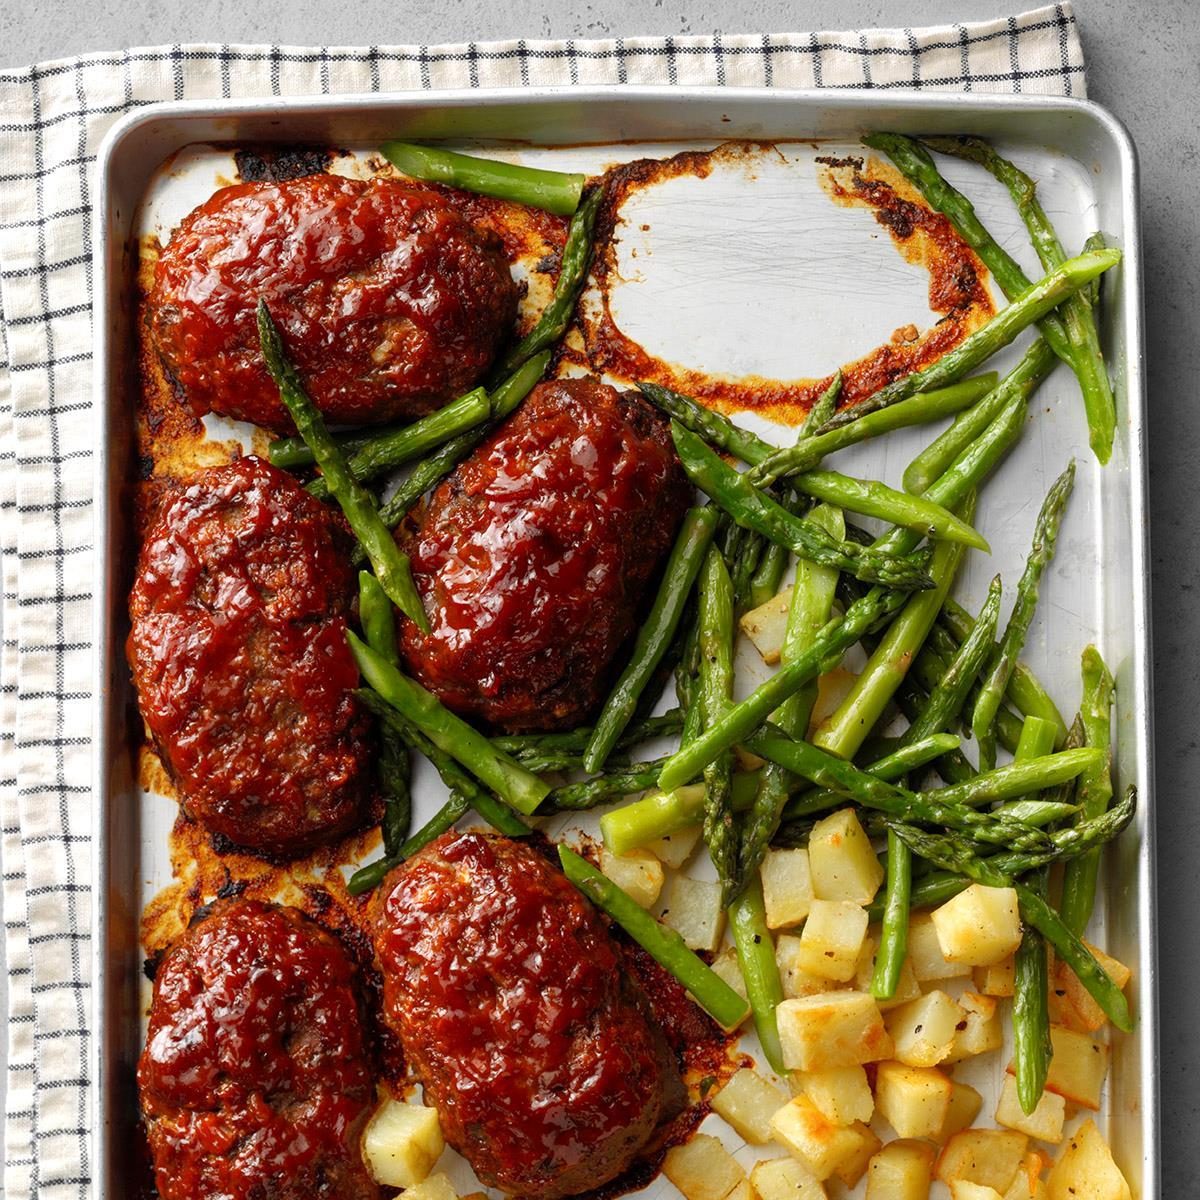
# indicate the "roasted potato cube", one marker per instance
pixel 980 1030
pixel 1085 1169
pixel 902 1170
pixel 979 926
pixel 832 938
pixel 748 1102
pixel 638 874
pixel 726 965
pixel 1090 1015
pixel 766 625
pixel 964 1189
pixel 702 1169
pixel 907 987
pixel 925 952
pixel 831 1029
pixel 401 1143
pixel 842 1094
pixel 785 1179
pixel 923 1030
pixel 1078 1067
pixel 435 1187
pixel 854 1166
pixel 965 1103
pixel 913 1100
pixel 999 979
pixel 694 911
pixel 987 1156
pixel 676 848
pixel 805 1131
pixel 1027 1184
pixel 787 887
pixel 844 865
pixel 795 979
pixel 1045 1122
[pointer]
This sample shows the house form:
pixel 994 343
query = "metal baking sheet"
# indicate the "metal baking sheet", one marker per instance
pixel 749 270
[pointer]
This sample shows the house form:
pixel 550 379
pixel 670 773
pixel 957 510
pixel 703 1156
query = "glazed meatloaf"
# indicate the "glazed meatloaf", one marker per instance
pixel 255 1081
pixel 389 301
pixel 534 555
pixel 514 1009
pixel 239 654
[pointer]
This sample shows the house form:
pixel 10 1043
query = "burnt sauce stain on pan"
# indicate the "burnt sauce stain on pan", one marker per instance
pixel 278 164
pixel 957 287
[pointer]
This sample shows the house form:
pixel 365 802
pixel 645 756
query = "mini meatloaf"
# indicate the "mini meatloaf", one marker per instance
pixel 534 556
pixel 256 1079
pixel 515 1010
pixel 239 654
pixel 389 301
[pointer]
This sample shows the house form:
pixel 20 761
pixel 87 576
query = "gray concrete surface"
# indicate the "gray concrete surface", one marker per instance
pixel 1144 64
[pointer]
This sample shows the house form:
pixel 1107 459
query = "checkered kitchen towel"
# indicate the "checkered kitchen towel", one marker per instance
pixel 52 118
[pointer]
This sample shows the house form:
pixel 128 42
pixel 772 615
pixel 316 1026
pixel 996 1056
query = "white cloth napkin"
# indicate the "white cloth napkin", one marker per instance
pixel 52 118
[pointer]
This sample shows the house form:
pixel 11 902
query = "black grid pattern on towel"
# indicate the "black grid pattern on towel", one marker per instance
pixel 52 119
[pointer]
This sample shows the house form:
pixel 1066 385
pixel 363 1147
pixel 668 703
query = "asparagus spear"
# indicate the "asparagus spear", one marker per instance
pixel 572 275
pixel 427 473
pixel 575 797
pixel 554 191
pixel 1094 790
pixel 394 448
pixel 517 787
pixel 575 741
pixel 756 958
pixel 811 607
pixel 664 945
pixel 372 875
pixel 390 563
pixel 752 509
pixel 1077 315
pixel 1000 671
pixel 1023 380
pixel 378 620
pixel 1003 328
pixel 654 637
pixel 716 693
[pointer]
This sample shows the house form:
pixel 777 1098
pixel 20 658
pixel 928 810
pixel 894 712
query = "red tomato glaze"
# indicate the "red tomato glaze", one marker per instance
pixel 515 1009
pixel 389 301
pixel 255 1080
pixel 534 555
pixel 239 654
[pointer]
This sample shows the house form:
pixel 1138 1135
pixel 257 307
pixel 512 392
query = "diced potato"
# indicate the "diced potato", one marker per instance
pixel 832 1029
pixel 980 1030
pixel 702 1169
pixel 435 1187
pixel 832 938
pixel 638 874
pixel 785 1179
pixel 923 1030
pixel 979 926
pixel 787 887
pixel 854 1166
pixel 900 1171
pixel 1027 1184
pixel 1078 1067
pixel 998 979
pixel 694 911
pixel 1085 1169
pixel 964 1189
pixel 805 1131
pixel 907 987
pixel 987 1156
pixel 766 625
pixel 844 865
pixel 748 1102
pixel 401 1143
pixel 925 952
pixel 1045 1122
pixel 913 1100
pixel 726 965
pixel 965 1103
pixel 832 688
pixel 741 1191
pixel 1091 1016
pixel 795 979
pixel 842 1094
pixel 676 848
